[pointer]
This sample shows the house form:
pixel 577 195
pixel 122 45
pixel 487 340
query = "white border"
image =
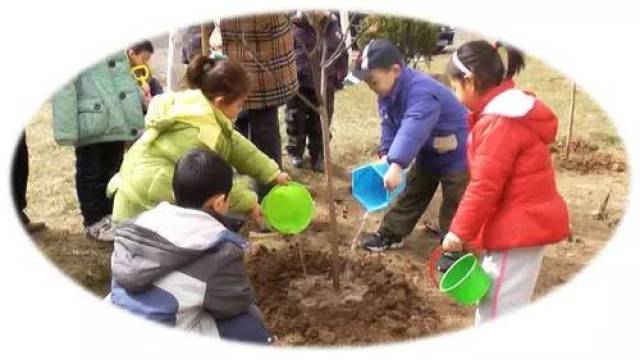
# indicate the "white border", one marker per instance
pixel 44 315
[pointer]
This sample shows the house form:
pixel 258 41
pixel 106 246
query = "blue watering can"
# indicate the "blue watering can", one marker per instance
pixel 368 186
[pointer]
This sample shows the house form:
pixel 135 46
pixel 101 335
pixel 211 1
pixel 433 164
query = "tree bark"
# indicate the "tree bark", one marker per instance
pixel 319 74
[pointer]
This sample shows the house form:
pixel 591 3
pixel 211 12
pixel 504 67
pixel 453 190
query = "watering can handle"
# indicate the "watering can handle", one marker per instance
pixel 437 254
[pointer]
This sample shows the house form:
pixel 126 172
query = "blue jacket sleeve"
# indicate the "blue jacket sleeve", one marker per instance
pixel 388 132
pixel 422 113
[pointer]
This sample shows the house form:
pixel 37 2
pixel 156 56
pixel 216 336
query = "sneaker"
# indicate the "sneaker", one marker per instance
pixel 317 164
pixel 296 161
pixel 377 242
pixel 103 230
pixel 447 259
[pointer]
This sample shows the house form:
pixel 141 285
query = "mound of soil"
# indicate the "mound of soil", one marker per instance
pixel 585 157
pixel 374 305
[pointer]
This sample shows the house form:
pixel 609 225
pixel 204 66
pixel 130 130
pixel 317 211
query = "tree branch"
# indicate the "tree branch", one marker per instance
pixel 336 54
pixel 308 102
pixel 342 47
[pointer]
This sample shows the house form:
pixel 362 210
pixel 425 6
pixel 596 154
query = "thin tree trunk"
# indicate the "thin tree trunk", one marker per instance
pixel 328 168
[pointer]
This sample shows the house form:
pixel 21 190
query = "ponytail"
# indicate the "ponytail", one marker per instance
pixel 482 60
pixel 218 78
pixel 515 59
pixel 198 66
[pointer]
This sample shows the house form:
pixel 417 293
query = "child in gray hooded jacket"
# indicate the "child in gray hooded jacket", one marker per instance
pixel 179 264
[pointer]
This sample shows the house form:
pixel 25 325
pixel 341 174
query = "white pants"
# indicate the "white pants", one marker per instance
pixel 514 273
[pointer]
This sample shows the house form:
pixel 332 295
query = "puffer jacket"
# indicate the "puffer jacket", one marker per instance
pixel 183 268
pixel 101 104
pixel 418 115
pixel 176 123
pixel 511 200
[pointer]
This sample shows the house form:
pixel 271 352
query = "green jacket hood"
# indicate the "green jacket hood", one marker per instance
pixel 189 107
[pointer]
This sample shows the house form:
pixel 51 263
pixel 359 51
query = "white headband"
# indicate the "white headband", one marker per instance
pixel 456 61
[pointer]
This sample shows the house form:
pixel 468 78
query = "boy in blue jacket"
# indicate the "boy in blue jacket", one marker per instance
pixel 422 123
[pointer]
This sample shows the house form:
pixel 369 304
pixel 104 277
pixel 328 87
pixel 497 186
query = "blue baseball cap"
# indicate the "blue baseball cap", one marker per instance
pixel 378 54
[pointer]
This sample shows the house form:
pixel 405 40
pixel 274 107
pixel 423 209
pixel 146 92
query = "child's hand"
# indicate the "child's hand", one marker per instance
pixel 256 214
pixel 393 177
pixel 452 243
pixel 283 178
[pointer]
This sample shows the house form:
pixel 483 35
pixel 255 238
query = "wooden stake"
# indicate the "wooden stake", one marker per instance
pixel 572 108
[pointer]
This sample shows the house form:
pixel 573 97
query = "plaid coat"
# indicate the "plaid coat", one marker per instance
pixel 269 40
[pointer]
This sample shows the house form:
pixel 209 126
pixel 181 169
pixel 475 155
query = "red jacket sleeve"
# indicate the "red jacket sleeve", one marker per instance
pixel 494 151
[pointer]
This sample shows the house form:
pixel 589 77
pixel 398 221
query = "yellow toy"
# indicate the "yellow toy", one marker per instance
pixel 141 73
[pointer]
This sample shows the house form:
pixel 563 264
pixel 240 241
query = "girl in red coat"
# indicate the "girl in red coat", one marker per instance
pixel 511 208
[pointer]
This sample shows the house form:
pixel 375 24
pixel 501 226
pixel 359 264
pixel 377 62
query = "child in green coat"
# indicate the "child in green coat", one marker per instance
pixel 97 113
pixel 197 118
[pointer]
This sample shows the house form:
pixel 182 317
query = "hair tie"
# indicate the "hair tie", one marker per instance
pixel 456 61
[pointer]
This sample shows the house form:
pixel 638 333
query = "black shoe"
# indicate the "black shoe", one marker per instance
pixel 378 242
pixel 447 259
pixel 317 164
pixel 296 161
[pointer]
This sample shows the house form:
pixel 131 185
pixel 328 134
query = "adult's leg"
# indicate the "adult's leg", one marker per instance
pixel 19 176
pixel 297 117
pixel 242 123
pixel 264 132
pixel 315 129
pixel 410 205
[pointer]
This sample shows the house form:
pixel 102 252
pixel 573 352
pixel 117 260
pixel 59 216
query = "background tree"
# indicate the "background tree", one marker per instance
pixel 416 39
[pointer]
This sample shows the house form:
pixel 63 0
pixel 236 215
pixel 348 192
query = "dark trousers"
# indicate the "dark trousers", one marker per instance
pixel 261 127
pixel 303 122
pixel 95 165
pixel 19 177
pixel 411 204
